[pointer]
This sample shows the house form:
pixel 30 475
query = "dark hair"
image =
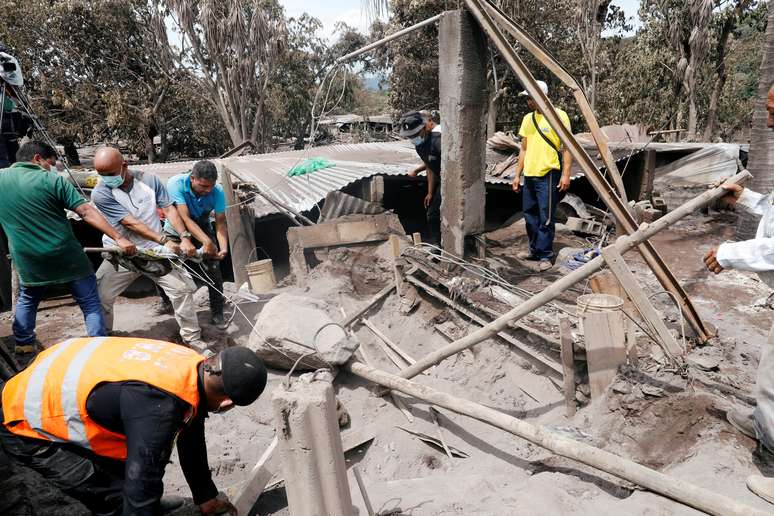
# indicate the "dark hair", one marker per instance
pixel 27 151
pixel 205 170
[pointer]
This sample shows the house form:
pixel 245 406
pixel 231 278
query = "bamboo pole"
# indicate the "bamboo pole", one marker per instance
pixel 674 488
pixel 622 245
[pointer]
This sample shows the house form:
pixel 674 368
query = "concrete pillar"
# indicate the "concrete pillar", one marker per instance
pixel 462 57
pixel 310 447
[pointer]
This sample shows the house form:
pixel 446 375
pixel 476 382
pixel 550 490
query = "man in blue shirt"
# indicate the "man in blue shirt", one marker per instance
pixel 197 195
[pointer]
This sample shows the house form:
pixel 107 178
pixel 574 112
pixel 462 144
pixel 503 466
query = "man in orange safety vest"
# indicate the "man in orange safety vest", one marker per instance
pixel 99 416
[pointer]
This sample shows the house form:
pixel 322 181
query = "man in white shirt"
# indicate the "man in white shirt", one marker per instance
pixel 130 201
pixel 754 255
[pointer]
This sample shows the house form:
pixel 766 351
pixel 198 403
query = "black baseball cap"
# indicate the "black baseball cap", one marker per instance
pixel 243 373
pixel 411 123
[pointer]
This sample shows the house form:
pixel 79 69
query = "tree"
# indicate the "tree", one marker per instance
pixel 761 158
pixel 234 45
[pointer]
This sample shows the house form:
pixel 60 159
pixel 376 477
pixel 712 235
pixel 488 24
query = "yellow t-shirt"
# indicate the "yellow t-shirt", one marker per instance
pixel 541 158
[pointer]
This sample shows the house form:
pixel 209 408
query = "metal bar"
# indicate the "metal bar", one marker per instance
pixel 387 39
pixel 537 50
pixel 619 209
pixel 622 245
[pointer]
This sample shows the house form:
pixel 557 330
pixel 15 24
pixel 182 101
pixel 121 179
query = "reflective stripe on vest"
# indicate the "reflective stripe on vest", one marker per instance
pixel 48 399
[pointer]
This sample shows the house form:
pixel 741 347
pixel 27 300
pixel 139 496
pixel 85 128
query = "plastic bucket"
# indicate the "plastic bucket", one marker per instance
pixel 597 303
pixel 260 275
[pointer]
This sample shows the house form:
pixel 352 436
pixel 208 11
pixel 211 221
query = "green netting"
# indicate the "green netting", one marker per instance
pixel 310 165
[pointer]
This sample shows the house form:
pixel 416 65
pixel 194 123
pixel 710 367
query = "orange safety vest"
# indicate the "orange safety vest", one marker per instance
pixel 47 400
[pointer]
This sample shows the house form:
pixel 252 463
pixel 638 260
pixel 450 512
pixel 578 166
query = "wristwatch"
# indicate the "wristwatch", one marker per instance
pixel 186 234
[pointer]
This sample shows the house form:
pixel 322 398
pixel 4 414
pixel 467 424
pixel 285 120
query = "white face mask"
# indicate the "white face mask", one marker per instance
pixel 417 140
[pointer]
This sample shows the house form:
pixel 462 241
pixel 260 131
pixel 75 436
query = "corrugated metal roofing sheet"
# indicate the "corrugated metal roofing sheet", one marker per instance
pixel 352 162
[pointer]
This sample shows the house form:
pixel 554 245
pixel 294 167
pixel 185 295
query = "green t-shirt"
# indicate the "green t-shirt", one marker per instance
pixel 41 240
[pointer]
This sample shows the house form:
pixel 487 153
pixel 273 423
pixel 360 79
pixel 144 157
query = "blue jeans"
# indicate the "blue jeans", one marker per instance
pixel 84 291
pixel 539 202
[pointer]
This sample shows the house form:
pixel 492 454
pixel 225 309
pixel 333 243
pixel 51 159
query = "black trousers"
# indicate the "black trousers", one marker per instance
pixel 95 481
pixel 207 269
pixel 434 216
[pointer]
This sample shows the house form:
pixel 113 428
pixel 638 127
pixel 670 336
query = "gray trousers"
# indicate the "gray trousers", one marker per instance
pixel 179 287
pixel 764 412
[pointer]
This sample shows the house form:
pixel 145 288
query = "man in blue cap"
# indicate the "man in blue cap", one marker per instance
pixel 419 130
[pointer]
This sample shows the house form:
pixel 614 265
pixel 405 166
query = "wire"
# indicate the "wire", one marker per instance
pixel 439 254
pixel 182 266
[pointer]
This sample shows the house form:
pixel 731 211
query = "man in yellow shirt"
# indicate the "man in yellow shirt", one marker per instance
pixel 546 167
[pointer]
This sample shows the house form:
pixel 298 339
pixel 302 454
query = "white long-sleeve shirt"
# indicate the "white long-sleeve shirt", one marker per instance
pixel 758 254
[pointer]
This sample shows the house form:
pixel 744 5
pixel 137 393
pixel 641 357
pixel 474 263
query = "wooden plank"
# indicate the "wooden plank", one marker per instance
pixel 568 365
pixel 260 475
pixel 363 492
pixel 396 399
pixel 241 241
pixel 616 263
pixel 405 356
pixel 416 238
pixel 605 348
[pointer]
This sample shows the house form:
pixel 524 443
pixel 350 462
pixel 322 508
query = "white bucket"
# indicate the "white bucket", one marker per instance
pixel 260 274
pixel 597 303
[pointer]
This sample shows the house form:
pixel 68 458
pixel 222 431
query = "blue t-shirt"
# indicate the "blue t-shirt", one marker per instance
pixel 179 188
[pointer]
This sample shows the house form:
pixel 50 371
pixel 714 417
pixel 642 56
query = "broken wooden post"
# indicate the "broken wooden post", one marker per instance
pixel 568 365
pixel 677 489
pixel 605 336
pixel 622 244
pixel 311 452
pixel 640 300
pixel 240 240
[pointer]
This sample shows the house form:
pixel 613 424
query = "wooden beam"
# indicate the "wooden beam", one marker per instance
pixel 618 266
pixel 568 365
pixel 241 241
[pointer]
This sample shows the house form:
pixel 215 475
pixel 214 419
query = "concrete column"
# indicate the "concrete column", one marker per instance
pixel 310 447
pixel 462 57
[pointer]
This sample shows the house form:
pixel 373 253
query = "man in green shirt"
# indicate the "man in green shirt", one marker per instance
pixel 43 247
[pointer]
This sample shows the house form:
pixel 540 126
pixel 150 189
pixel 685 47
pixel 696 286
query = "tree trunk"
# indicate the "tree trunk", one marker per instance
pixel 692 114
pixel 491 113
pixel 71 153
pixel 720 65
pixel 761 159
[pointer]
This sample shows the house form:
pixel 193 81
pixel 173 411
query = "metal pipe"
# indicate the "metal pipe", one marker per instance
pixel 622 245
pixel 619 209
pixel 387 39
pixel 674 488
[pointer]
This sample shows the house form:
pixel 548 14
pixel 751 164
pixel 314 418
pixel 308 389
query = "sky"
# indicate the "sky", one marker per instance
pixel 351 12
